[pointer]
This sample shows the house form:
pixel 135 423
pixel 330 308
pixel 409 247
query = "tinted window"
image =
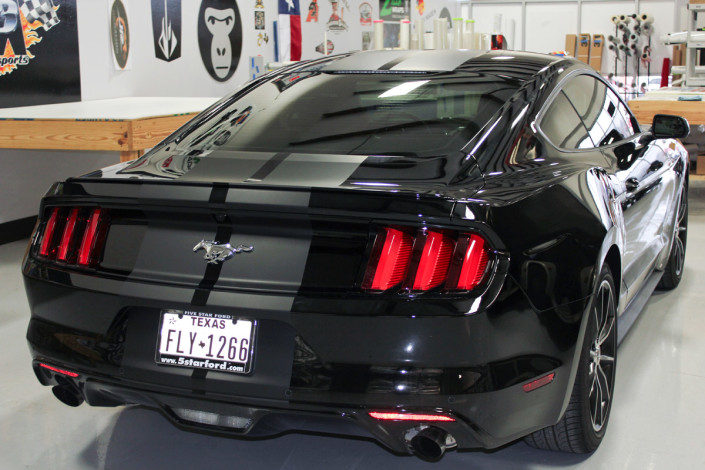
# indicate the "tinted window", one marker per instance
pixel 562 125
pixel 413 115
pixel 605 116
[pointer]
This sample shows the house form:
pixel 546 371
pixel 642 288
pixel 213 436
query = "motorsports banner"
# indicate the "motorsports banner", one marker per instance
pixel 39 61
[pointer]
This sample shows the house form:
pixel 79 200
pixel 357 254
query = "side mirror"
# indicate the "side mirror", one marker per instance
pixel 669 127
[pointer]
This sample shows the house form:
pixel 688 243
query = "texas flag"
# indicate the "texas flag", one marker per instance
pixel 289 30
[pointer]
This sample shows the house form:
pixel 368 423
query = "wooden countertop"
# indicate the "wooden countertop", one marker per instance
pixel 126 125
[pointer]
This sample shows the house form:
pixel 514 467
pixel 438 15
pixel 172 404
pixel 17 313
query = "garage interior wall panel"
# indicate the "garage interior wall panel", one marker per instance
pixel 485 16
pixel 548 23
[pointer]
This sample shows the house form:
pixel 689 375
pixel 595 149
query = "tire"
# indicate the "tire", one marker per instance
pixel 673 272
pixel 584 423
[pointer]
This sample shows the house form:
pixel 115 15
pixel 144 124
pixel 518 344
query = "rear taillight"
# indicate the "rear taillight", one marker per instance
pixel 425 260
pixel 74 235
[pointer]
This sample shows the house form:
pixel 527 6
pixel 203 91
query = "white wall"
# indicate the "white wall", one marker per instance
pixel 27 174
pixel 187 76
pixel 543 24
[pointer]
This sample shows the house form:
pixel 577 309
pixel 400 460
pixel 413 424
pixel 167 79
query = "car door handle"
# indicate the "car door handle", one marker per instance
pixel 655 166
pixel 632 184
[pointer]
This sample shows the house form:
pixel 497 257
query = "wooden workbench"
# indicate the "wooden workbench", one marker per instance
pixel 125 125
pixel 665 101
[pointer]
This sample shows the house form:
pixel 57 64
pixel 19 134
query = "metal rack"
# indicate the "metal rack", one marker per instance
pixel 692 77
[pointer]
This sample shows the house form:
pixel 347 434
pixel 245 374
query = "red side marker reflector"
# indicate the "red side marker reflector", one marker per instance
pixel 538 383
pixel 393 416
pixel 45 247
pixel 59 371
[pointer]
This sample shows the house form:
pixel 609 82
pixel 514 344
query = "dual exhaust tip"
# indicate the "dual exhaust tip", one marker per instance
pixel 429 443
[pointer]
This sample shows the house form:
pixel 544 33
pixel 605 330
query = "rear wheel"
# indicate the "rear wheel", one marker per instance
pixel 583 425
pixel 673 272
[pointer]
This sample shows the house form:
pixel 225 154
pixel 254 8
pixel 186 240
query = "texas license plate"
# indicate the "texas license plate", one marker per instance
pixel 209 341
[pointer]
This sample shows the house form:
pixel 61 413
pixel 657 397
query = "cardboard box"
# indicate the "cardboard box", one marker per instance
pixel 584 48
pixel 597 47
pixel 571 44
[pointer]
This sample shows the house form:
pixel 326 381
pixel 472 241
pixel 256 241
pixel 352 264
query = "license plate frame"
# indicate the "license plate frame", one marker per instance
pixel 204 340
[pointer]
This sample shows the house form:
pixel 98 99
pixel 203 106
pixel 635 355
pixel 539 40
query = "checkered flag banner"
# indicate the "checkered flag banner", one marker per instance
pixel 42 10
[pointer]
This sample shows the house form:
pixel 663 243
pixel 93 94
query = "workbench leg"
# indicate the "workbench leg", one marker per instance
pixel 130 155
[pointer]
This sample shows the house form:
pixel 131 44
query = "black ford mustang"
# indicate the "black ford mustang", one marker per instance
pixel 432 248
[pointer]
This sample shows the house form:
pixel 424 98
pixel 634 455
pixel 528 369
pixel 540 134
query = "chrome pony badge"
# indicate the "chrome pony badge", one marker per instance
pixel 217 253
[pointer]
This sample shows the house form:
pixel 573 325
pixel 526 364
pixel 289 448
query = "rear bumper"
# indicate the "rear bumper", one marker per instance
pixel 314 371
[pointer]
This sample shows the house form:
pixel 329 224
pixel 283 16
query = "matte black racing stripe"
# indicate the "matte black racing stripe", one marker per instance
pixel 269 166
pixel 216 201
pixel 394 62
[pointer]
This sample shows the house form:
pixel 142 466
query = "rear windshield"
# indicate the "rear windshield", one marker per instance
pixel 419 115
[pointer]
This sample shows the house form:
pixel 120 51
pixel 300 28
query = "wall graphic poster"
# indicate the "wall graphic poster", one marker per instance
pixel 38 52
pixel 220 37
pixel 367 37
pixel 259 19
pixel 365 15
pixel 120 36
pixel 166 29
pixel 335 22
pixel 312 12
pixel 394 10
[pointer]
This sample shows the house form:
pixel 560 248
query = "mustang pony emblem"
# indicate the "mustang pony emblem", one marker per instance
pixel 216 253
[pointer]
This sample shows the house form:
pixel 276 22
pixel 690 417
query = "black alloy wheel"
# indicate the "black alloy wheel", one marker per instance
pixel 584 423
pixel 673 271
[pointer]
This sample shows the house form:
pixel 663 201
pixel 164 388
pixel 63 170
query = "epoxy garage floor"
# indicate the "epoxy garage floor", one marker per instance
pixel 657 422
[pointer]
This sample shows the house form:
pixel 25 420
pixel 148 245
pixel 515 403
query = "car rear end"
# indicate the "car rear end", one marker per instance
pixel 255 292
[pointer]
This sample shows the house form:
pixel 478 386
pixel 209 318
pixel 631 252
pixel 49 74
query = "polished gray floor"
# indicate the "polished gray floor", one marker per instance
pixel 658 415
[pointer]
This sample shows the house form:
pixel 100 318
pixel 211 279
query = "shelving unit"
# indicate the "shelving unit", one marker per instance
pixel 693 78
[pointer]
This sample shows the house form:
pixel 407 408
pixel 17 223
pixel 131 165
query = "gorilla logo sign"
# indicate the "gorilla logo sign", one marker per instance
pixel 220 37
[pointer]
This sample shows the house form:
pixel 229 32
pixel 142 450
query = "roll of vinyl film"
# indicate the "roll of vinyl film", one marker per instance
pixel 379 34
pixel 404 34
pixel 647 18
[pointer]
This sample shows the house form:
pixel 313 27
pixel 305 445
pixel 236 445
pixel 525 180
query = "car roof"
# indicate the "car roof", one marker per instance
pixel 520 65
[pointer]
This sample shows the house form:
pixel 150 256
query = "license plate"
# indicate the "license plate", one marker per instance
pixel 209 341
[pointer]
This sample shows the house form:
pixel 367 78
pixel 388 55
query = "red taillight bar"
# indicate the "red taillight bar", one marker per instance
pixel 435 259
pixel 88 243
pixel 396 416
pixel 390 262
pixel 49 230
pixel 474 263
pixel 67 237
pixel 427 260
